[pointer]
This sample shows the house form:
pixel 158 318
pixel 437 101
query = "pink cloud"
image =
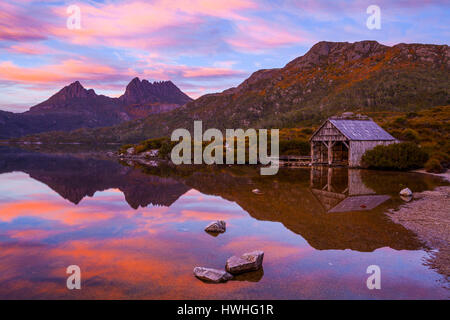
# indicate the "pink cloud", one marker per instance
pixel 144 24
pixel 156 67
pixel 16 25
pixel 260 35
pixel 31 48
pixel 64 72
pixel 107 78
pixel 155 25
pixel 183 71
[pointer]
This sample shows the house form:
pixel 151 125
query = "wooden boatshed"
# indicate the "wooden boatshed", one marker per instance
pixel 343 140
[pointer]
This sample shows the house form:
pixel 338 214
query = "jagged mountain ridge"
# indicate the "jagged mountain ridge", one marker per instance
pixel 331 77
pixel 75 107
pixel 138 91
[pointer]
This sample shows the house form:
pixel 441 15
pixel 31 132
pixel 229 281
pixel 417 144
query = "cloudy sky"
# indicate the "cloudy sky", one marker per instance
pixel 203 46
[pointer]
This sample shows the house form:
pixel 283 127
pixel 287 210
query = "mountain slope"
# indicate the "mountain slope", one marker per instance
pixel 20 124
pixel 75 107
pixel 334 77
pixel 331 77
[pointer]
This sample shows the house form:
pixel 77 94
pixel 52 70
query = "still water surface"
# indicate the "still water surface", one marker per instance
pixel 137 233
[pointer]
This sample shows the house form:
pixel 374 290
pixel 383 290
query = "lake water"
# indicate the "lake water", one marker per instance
pixel 138 232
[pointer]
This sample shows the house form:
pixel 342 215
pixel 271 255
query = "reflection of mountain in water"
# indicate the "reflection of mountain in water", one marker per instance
pixel 331 209
pixel 75 178
pixel 288 199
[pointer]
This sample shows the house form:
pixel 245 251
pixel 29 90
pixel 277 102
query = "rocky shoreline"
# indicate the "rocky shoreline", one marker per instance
pixel 149 158
pixel 428 216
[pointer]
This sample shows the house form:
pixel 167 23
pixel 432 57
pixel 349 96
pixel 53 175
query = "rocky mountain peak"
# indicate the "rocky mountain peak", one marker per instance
pixel 74 90
pixel 144 91
pixel 325 52
pixel 73 93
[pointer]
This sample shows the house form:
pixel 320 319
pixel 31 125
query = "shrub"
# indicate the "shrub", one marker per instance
pixel 409 135
pixel 295 146
pixel 158 143
pixel 166 148
pixel 400 121
pixel 149 144
pixel 398 156
pixel 436 109
pixel 434 165
pixel 307 131
pixel 123 149
pixel 412 115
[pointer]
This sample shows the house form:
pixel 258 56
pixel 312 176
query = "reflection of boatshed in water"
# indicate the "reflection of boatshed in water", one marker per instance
pixel 341 194
pixel 343 140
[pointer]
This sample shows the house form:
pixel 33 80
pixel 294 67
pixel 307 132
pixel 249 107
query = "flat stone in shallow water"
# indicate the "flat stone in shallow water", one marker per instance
pixel 256 191
pixel 212 275
pixel 250 261
pixel 216 226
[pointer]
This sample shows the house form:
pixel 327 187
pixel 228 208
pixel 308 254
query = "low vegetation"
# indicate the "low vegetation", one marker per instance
pixel 398 156
pixel 163 145
pixel 428 130
pixel 433 165
pixel 287 146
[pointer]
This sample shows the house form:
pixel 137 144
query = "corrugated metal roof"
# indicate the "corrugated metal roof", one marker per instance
pixel 361 129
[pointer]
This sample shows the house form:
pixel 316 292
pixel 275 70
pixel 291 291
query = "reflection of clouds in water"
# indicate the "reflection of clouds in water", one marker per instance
pixel 114 268
pixel 189 210
pixel 108 208
pixel 274 251
pixel 53 211
pixel 149 257
pixel 17 184
pixel 150 252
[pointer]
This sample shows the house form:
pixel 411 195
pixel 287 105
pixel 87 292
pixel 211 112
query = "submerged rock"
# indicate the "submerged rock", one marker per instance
pixel 250 261
pixel 212 275
pixel 406 192
pixel 218 226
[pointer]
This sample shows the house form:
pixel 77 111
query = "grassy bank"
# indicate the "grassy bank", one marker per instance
pixel 429 129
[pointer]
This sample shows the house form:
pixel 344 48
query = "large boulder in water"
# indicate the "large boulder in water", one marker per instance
pixel 250 261
pixel 218 226
pixel 406 192
pixel 212 275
